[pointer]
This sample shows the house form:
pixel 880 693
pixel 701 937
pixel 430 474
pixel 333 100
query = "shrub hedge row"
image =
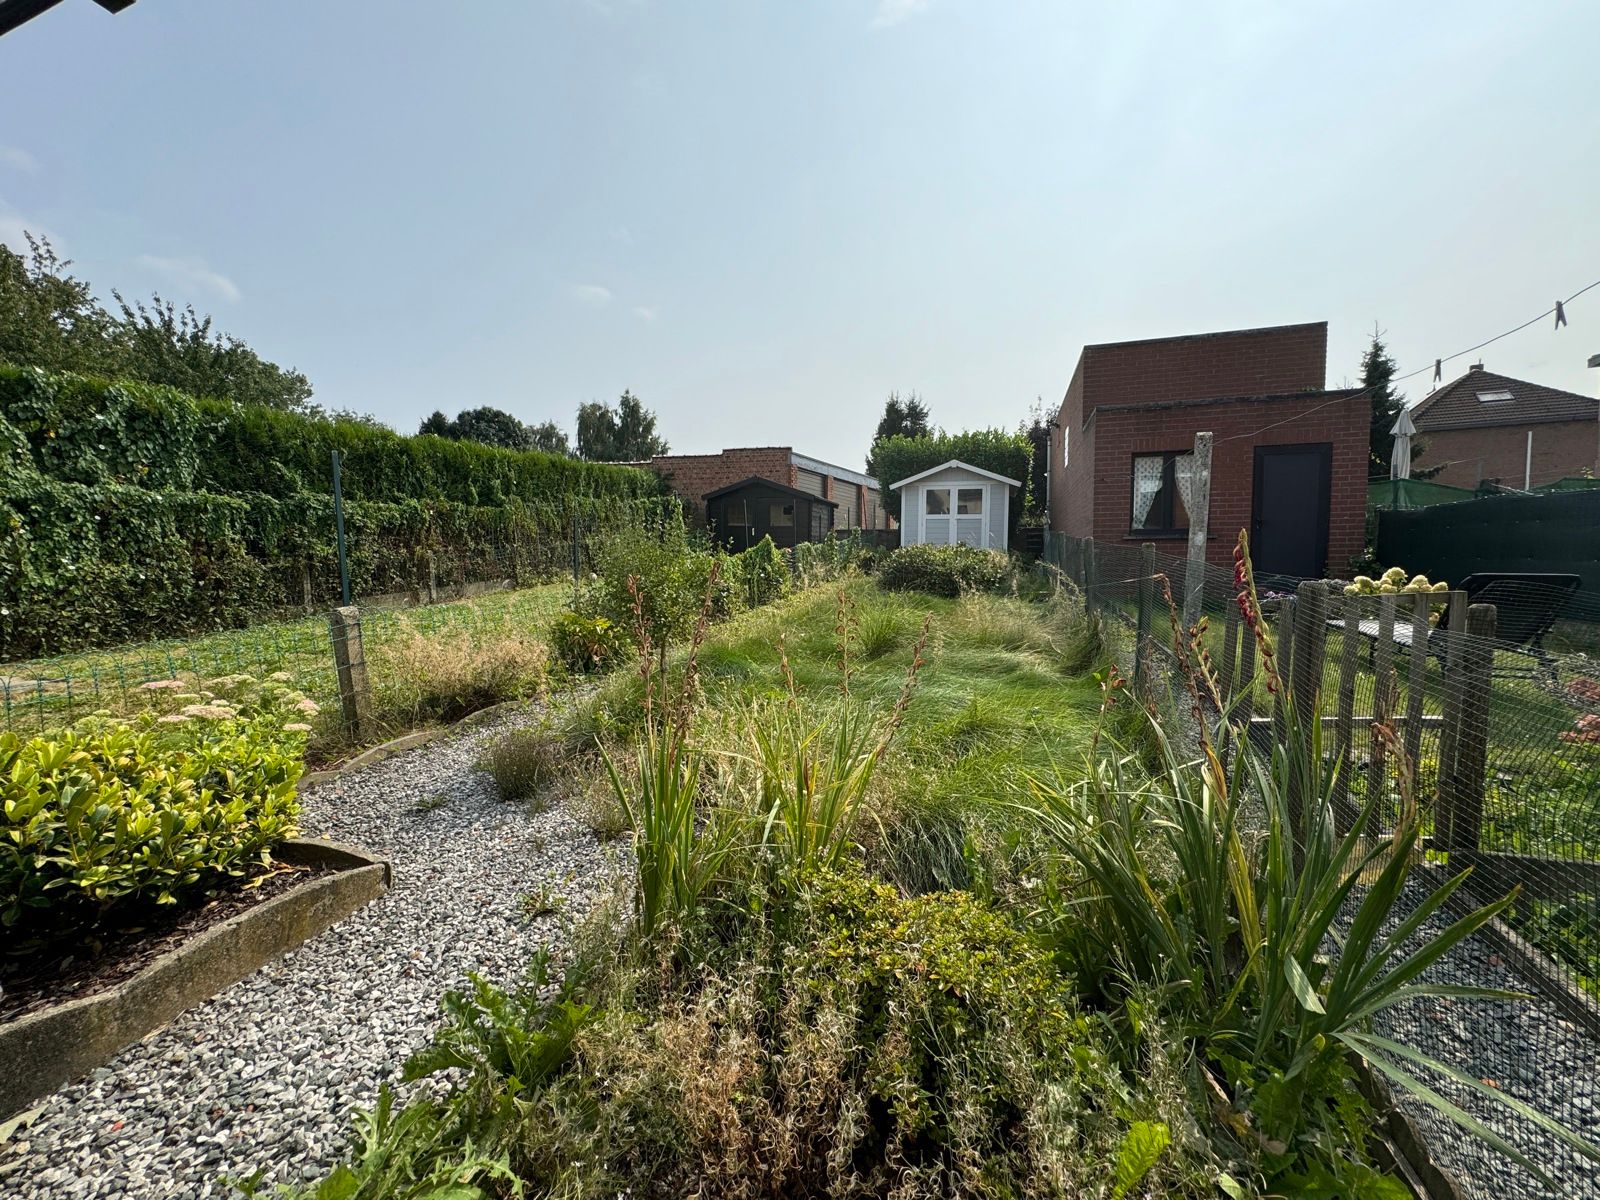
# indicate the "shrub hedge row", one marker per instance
pixel 130 511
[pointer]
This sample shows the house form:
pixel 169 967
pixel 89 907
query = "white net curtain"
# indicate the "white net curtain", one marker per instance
pixel 1147 475
pixel 1183 472
pixel 1152 510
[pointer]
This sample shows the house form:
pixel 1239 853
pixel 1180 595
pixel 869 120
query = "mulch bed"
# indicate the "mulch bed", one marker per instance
pixel 57 973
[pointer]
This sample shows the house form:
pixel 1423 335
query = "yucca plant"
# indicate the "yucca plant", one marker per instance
pixel 1275 943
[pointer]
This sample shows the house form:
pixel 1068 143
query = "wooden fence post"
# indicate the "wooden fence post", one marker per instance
pixel 1455 623
pixel 305 585
pixel 1141 641
pixel 350 663
pixel 1417 679
pixel 1475 667
pixel 1345 716
pixel 1194 575
pixel 1283 644
pixel 1382 691
pixel 1311 642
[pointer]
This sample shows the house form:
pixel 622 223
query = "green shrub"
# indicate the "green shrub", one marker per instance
pixel 525 763
pixel 944 570
pixel 586 643
pixel 112 815
pixel 664 577
pixel 761 573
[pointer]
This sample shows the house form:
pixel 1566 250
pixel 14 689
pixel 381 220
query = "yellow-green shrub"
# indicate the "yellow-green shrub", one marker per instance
pixel 114 814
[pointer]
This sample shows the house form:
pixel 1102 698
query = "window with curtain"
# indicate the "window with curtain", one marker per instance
pixel 1163 485
pixel 781 516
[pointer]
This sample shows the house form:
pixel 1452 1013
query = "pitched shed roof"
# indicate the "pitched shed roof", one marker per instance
pixel 965 466
pixel 1481 399
pixel 784 488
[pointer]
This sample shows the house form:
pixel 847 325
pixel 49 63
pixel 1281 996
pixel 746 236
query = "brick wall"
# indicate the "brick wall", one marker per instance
pixel 1243 362
pixel 1119 436
pixel 691 476
pixel 1560 448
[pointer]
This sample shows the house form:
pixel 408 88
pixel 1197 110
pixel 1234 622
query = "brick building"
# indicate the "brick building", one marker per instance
pixel 856 497
pixel 1289 460
pixel 1488 428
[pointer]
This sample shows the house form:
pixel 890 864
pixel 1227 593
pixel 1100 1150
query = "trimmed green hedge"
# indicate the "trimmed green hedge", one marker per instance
pixel 998 450
pixel 129 511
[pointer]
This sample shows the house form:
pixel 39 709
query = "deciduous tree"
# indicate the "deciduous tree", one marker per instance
pixel 625 432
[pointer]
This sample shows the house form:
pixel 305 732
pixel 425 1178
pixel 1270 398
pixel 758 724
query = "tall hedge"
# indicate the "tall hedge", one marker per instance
pixel 1003 451
pixel 130 511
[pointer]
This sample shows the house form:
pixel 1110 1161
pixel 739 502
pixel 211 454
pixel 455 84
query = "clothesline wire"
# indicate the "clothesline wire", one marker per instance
pixel 1367 391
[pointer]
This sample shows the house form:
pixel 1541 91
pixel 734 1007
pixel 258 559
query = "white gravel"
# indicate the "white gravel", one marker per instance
pixel 265 1074
pixel 1527 1049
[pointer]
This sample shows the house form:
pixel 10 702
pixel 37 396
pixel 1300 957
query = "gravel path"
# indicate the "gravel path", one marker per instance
pixel 1528 1050
pixel 265 1074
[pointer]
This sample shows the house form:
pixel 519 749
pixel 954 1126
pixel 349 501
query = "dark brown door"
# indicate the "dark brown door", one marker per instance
pixel 1289 512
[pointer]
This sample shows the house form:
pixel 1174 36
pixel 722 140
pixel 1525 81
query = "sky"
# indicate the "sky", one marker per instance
pixel 762 216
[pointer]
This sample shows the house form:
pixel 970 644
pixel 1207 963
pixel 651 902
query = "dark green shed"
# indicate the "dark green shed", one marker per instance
pixel 742 513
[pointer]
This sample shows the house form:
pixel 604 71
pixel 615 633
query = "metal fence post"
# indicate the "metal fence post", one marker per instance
pixel 1090 575
pixel 350 663
pixel 338 528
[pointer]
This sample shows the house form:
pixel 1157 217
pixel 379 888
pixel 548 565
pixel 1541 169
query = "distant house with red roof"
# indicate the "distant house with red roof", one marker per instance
pixel 1488 428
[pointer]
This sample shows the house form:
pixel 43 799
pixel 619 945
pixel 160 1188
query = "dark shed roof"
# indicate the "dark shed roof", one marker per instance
pixel 767 483
pixel 1460 404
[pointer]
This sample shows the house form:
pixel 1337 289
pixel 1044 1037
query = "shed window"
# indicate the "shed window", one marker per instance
pixel 969 502
pixel 936 502
pixel 1163 485
pixel 781 515
pixel 736 512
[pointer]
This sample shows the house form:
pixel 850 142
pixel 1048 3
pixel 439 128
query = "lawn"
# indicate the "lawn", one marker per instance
pixel 901 922
pixel 46 694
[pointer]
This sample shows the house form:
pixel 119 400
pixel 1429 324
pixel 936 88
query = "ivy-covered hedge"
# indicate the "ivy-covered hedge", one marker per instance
pixel 90 431
pixel 130 511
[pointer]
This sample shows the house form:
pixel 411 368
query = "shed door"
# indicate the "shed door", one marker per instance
pixel 972 522
pixel 937 518
pixel 1290 509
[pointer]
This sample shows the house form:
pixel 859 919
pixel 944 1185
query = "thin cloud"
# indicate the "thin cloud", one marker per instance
pixel 13 225
pixel 644 312
pixel 18 160
pixel 191 273
pixel 593 294
pixel 892 12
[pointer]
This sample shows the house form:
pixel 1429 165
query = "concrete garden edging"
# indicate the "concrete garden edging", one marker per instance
pixel 417 737
pixel 44 1050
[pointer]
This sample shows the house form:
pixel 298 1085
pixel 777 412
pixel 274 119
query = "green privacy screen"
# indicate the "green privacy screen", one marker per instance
pixel 1553 532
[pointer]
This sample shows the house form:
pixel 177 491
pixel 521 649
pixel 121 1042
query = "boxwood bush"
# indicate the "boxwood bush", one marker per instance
pixel 111 816
pixel 944 570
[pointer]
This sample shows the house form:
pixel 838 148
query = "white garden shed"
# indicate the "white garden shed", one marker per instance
pixel 956 502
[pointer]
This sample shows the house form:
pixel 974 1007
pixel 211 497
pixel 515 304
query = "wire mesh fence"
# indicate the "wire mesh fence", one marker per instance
pixel 47 695
pixel 1452 701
